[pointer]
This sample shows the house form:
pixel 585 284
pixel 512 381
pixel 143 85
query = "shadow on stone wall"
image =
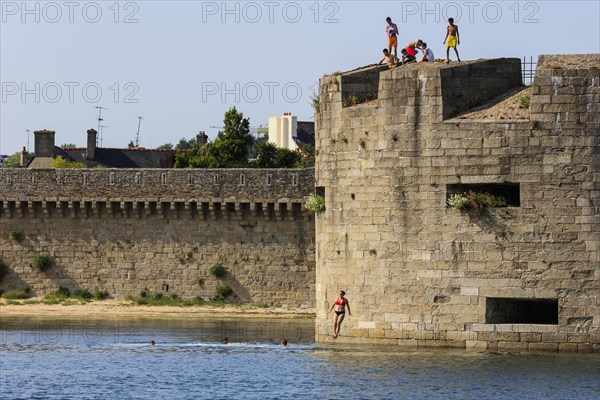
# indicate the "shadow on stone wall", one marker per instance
pixel 493 221
pixel 12 280
pixel 60 278
pixel 241 293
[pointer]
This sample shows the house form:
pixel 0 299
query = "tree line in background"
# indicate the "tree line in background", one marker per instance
pixel 234 147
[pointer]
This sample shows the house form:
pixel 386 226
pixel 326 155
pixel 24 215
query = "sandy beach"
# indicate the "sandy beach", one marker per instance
pixel 114 308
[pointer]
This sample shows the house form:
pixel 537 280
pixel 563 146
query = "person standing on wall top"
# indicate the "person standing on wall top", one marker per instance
pixel 391 31
pixel 452 39
pixel 340 305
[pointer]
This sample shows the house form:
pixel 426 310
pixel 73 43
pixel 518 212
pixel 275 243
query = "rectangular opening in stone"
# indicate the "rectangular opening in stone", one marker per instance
pixel 511 192
pixel 500 310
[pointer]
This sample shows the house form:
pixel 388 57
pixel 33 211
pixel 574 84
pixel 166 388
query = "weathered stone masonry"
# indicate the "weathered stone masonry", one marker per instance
pixel 418 273
pixel 128 230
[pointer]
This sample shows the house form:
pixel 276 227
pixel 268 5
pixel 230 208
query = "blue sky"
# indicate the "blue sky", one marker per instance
pixel 181 64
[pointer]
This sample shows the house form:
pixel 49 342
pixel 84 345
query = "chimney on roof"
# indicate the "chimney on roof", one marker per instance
pixel 201 138
pixel 91 144
pixel 24 157
pixel 44 143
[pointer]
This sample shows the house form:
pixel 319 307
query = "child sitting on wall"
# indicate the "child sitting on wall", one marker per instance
pixel 390 59
pixel 407 57
pixel 427 53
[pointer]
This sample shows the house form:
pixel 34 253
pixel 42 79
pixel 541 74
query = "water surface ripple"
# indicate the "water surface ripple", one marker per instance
pixel 69 359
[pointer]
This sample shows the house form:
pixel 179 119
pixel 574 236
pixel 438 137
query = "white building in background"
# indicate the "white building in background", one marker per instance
pixel 289 133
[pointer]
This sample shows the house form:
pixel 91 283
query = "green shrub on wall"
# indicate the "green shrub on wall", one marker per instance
pixel 42 263
pixel 315 203
pixel 476 201
pixel 524 102
pixel 224 292
pixel 15 235
pixel 218 271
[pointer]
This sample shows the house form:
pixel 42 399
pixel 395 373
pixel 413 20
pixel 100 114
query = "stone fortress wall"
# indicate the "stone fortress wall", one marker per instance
pixel 418 273
pixel 124 230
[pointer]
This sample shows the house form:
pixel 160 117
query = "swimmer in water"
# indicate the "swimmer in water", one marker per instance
pixel 152 343
pixel 284 342
pixel 340 305
pixel 225 341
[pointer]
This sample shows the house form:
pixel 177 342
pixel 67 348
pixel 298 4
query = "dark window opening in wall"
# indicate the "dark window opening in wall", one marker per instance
pixel 296 210
pixel 521 311
pixel 258 207
pixel 510 191
pixel 269 180
pixel 230 207
pixel 270 212
pixel 320 191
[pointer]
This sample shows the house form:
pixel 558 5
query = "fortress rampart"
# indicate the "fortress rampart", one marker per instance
pixel 390 153
pixel 128 230
pixel 418 273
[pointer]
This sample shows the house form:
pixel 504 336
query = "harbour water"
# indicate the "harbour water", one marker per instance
pixel 113 359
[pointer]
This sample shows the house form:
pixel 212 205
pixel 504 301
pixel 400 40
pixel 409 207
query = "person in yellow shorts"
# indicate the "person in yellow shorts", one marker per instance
pixel 452 39
pixel 391 31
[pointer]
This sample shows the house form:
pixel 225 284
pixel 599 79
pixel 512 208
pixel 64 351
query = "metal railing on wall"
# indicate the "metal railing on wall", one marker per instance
pixel 528 70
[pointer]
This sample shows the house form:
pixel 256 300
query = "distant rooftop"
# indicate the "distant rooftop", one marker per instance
pixel 120 158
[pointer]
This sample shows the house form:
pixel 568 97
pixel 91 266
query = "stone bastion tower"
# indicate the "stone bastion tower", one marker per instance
pixel 394 145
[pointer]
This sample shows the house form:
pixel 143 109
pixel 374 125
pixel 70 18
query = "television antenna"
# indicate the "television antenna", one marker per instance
pixel 100 129
pixel 100 122
pixel 137 135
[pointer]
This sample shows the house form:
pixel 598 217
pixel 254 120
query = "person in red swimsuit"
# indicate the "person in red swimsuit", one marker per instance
pixel 340 305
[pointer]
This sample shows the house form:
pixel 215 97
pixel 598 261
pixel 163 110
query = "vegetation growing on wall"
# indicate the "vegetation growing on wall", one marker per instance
pixel 15 235
pixel 223 292
pixel 355 99
pixel 42 263
pixel 315 203
pixel 475 201
pixel 315 102
pixel 218 271
pixel 524 102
